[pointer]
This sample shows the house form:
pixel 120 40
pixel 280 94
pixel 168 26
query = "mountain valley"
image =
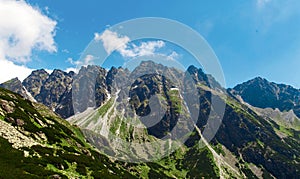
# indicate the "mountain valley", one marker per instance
pixel 154 121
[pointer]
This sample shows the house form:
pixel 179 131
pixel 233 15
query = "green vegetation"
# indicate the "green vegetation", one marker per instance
pixel 241 109
pixel 260 143
pixel 115 125
pixel 200 162
pixel 286 131
pixel 174 96
pixel 218 149
pixel 95 116
pixel 64 152
pixel 14 165
pixel 104 108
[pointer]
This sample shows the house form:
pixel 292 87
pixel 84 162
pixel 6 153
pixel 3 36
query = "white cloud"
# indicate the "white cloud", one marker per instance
pixel 22 30
pixel 71 69
pixel 173 56
pixel 145 49
pixel 88 59
pixel 9 70
pixel 49 71
pixel 270 13
pixel 47 10
pixel 113 41
pixel 65 51
pixel 73 62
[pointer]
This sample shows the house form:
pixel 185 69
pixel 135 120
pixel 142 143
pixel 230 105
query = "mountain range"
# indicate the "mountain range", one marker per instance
pixel 258 136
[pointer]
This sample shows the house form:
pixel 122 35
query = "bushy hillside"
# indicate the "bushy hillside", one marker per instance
pixel 34 143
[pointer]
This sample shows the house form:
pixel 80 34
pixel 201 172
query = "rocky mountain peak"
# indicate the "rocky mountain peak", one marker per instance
pixel 16 85
pixel 52 88
pixel 71 73
pixel 198 75
pixel 147 63
pixel 39 72
pixel 58 73
pixel 34 81
pixel 261 93
pixel 12 82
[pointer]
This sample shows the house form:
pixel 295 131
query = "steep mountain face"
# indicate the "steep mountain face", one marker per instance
pixel 34 82
pixel 55 90
pixel 141 92
pixel 252 139
pixel 259 141
pixel 247 144
pixel 117 110
pixel 89 83
pixel 16 85
pixel 35 143
pixel 261 93
pixel 57 84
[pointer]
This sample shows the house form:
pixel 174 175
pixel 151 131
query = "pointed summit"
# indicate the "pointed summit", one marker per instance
pixel 261 93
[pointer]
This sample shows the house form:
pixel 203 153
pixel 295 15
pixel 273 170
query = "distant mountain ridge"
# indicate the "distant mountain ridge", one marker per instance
pixel 55 89
pixel 261 93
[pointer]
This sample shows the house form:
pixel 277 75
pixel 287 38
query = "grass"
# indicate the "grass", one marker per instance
pixel 260 143
pixel 200 162
pixel 186 163
pixel 103 109
pixel 65 143
pixel 218 149
pixel 14 165
pixel 241 109
pixel 123 127
pixel 69 173
pixel 289 132
pixel 176 101
pixel 286 131
pixel 95 116
pixel 143 170
pixel 115 125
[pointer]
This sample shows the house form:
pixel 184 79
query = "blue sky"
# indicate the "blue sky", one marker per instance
pixel 251 38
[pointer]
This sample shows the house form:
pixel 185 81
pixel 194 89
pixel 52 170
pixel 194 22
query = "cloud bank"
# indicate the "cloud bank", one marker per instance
pixel 23 29
pixel 113 41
